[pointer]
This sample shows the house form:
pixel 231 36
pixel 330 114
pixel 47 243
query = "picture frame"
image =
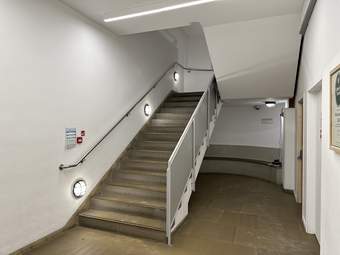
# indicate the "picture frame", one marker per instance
pixel 335 109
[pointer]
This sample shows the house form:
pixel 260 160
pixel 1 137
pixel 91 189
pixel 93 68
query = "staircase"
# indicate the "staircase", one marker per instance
pixel 133 200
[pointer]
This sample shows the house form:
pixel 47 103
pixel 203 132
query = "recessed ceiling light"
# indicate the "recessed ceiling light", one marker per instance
pixel 270 104
pixel 155 11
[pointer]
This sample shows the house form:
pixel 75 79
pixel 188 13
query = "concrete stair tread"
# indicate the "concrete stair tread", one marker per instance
pixel 156 145
pixel 125 218
pixel 174 116
pixel 151 151
pixel 165 129
pixel 135 200
pixel 185 94
pixel 181 104
pixel 161 163
pixel 161 132
pixel 177 109
pixel 184 99
pixel 135 159
pixel 159 187
pixel 143 172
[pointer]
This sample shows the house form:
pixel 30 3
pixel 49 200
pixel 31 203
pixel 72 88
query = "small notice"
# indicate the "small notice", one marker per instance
pixel 70 138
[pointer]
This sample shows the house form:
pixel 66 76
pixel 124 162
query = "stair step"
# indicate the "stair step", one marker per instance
pixel 149 154
pixel 173 116
pixel 160 136
pixel 177 110
pixel 145 164
pixel 180 104
pixel 141 175
pixel 159 187
pixel 124 223
pixel 144 206
pixel 184 99
pixel 165 129
pixel 134 200
pixel 156 145
pixel 169 122
pixel 143 172
pixel 185 94
pixel 135 191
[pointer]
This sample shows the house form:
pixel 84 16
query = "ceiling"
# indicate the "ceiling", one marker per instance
pixel 218 12
pixel 253 44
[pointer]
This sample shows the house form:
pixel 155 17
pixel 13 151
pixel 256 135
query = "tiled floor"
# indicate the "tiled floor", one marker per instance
pixel 231 215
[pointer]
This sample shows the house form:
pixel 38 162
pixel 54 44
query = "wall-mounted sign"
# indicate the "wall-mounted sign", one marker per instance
pixel 70 138
pixel 335 109
pixel 267 121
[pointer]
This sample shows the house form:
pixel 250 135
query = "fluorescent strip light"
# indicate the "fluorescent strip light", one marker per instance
pixel 164 9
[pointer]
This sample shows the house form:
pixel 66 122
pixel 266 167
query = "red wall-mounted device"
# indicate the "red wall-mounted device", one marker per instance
pixel 79 140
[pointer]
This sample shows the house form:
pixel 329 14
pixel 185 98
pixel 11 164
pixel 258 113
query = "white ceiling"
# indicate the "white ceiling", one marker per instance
pixel 219 12
pixel 253 44
pixel 256 58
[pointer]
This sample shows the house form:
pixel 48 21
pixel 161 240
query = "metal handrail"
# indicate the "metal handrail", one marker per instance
pixel 79 162
pixel 180 141
pixel 190 124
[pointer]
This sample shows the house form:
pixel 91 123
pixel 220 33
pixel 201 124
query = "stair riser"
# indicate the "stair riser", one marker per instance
pixel 133 191
pixel 168 123
pixel 123 228
pixel 180 104
pixel 161 137
pixel 118 206
pixel 187 94
pixel 165 129
pixel 155 146
pixel 161 155
pixel 145 166
pixel 139 177
pixel 185 99
pixel 171 116
pixel 177 110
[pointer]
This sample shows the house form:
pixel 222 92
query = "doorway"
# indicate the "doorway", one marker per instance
pixel 299 150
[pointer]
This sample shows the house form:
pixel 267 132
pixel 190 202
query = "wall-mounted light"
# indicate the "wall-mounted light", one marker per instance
pixel 270 104
pixel 79 188
pixel 147 110
pixel 176 77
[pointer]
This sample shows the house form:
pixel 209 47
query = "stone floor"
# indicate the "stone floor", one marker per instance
pixel 228 215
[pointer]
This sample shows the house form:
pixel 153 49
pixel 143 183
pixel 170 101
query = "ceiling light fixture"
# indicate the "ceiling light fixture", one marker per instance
pixel 270 104
pixel 155 11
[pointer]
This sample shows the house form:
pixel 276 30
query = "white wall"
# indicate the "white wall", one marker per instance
pixel 242 125
pixel 193 53
pixel 58 70
pixel 197 57
pixel 321 53
pixel 255 58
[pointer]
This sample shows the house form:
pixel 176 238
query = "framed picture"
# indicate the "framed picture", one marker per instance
pixel 335 109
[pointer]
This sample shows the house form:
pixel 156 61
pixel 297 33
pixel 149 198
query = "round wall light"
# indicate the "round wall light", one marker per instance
pixel 79 189
pixel 270 104
pixel 176 77
pixel 147 110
